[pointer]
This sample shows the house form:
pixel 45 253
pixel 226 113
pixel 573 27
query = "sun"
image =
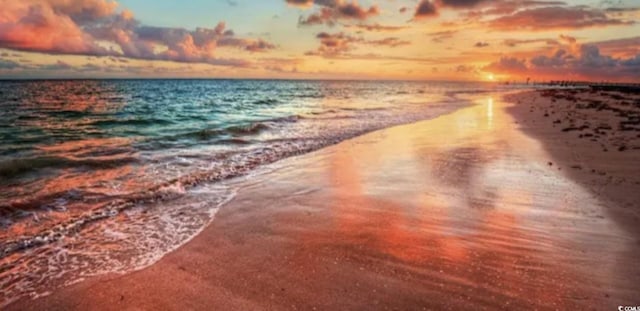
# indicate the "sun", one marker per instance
pixel 491 77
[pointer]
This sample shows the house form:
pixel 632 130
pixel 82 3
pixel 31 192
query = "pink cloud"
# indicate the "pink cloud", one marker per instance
pixel 556 17
pixel 586 63
pixel 332 45
pixel 78 26
pixel 333 10
pixel 39 26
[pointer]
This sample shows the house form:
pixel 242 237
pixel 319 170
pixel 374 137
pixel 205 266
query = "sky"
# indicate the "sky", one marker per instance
pixel 475 40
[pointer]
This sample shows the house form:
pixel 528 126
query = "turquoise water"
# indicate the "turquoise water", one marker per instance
pixel 103 176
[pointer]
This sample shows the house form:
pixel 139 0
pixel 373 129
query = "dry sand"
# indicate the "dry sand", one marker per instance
pixel 476 209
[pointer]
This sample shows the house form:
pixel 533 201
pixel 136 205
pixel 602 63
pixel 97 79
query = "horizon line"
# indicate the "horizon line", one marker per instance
pixel 505 82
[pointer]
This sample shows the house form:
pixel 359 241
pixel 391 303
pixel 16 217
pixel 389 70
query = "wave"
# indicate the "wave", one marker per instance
pixel 268 101
pixel 206 134
pixel 252 128
pixel 67 113
pixel 17 167
pixel 310 96
pixel 142 238
pixel 235 165
pixel 130 122
pixel 234 141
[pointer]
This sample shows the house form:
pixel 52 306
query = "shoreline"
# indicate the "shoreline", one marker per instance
pixel 589 148
pixel 124 206
pixel 357 213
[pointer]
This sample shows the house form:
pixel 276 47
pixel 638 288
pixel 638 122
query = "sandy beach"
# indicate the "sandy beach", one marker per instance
pixel 505 204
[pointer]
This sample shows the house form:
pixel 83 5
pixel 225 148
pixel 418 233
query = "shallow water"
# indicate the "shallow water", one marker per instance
pixel 108 176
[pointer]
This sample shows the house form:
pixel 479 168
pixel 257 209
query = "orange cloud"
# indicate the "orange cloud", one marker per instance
pixel 622 48
pixel 586 63
pixel 549 18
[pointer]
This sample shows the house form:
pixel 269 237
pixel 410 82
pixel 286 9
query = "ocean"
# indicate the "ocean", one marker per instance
pixel 107 176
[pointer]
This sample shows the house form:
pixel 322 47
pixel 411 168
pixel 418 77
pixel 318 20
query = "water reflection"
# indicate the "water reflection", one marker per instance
pixel 67 107
pixel 465 202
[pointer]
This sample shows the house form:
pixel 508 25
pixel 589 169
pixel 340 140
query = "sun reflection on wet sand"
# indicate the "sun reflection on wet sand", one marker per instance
pixel 466 206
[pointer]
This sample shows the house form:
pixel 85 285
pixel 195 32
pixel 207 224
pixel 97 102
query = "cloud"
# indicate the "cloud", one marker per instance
pixel 88 67
pixel 559 59
pixel 389 41
pixel 550 18
pixel 481 44
pixel 8 64
pixel 51 26
pixel 461 3
pixel 440 36
pixel 516 42
pixel 96 28
pixel 59 65
pixel 258 46
pixel 376 27
pixel 562 40
pixel 624 47
pixel 587 63
pixel 333 10
pixel 282 65
pixel 300 3
pixel 507 64
pixel 425 9
pixel 502 7
pixel 478 9
pixel 568 39
pixel 325 15
pixel 332 45
pixel 622 10
pixel 466 69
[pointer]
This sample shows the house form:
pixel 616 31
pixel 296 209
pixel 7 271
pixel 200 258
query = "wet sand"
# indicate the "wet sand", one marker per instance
pixel 594 135
pixel 475 209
